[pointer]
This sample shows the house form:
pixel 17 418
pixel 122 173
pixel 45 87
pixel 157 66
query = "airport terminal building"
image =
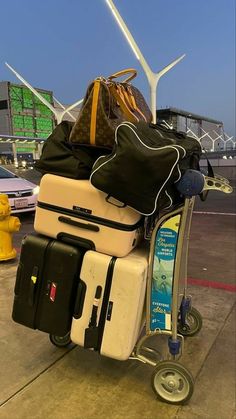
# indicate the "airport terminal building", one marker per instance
pixel 209 131
pixel 25 122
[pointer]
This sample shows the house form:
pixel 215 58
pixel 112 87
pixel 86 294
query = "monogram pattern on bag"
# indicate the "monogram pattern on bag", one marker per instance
pixel 109 116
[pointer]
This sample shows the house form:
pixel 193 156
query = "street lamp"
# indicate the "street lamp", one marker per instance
pixel 153 78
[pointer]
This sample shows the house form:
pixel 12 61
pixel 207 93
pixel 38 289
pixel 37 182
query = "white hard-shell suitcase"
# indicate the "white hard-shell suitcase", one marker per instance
pixel 110 305
pixel 76 209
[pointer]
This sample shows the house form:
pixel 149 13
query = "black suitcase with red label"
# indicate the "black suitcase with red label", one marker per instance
pixel 46 284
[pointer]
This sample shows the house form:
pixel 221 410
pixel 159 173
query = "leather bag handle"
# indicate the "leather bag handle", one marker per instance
pixel 122 73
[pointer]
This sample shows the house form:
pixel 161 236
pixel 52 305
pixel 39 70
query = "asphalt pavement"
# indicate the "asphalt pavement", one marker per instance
pixel 41 381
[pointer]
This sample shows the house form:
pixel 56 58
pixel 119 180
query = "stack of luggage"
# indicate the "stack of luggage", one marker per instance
pixel 83 271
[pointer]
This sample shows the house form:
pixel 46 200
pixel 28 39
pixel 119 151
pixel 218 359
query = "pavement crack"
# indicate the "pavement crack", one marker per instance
pixel 20 390
pixel 181 408
pixel 216 337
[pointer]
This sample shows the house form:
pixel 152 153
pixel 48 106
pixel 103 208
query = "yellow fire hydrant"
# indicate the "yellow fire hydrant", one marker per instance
pixel 8 225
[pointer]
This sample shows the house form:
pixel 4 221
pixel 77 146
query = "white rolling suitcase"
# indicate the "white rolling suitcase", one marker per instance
pixel 110 304
pixel 71 208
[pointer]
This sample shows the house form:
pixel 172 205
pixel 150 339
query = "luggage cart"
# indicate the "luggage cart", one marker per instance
pixel 171 381
pixel 169 312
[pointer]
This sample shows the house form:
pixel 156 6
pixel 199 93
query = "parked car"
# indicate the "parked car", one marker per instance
pixel 22 194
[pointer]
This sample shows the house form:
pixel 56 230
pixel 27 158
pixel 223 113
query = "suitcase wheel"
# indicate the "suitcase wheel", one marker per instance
pixel 60 341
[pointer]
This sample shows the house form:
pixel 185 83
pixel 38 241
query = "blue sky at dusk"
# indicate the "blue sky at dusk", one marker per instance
pixel 62 45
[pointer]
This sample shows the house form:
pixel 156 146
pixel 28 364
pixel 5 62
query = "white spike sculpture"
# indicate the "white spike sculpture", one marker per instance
pixel 63 107
pixel 153 78
pixel 57 112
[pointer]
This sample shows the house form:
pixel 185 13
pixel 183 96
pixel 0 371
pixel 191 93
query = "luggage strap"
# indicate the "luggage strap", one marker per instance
pixel 96 89
pixel 123 105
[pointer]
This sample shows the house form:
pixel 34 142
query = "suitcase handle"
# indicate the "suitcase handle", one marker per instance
pixel 87 226
pixel 112 203
pixel 76 241
pixel 79 302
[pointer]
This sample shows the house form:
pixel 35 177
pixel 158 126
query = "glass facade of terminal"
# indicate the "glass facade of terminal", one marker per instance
pixel 23 114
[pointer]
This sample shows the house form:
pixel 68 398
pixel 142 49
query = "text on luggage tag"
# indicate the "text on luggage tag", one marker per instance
pixel 82 210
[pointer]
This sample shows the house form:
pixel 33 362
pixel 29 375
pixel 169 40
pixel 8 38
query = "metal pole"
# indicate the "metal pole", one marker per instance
pixel 39 147
pixel 14 152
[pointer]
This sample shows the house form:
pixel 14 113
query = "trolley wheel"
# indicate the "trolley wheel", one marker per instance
pixel 193 323
pixel 60 341
pixel 172 382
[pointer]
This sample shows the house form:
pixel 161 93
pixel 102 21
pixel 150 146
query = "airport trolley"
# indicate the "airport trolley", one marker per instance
pixel 169 310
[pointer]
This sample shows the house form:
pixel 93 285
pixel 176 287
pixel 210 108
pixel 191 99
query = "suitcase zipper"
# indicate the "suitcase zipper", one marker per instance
pixel 41 286
pixel 93 218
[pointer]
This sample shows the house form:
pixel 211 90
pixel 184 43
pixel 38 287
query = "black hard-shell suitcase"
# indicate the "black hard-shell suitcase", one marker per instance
pixel 46 284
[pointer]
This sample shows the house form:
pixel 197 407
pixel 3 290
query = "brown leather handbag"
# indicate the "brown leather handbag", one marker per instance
pixel 106 104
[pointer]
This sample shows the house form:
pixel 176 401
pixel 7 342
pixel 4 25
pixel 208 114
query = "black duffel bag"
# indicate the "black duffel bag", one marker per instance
pixel 61 158
pixel 144 166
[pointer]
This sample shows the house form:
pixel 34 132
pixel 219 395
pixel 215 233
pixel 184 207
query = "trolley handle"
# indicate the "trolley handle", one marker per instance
pixel 218 184
pixel 194 183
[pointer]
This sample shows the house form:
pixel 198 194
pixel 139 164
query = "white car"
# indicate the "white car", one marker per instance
pixel 22 194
